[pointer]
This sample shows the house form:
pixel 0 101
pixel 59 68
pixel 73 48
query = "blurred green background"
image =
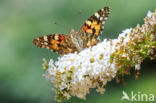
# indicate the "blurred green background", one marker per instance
pixel 21 21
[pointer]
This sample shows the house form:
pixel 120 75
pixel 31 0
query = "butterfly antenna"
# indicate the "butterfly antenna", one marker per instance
pixel 78 16
pixel 60 25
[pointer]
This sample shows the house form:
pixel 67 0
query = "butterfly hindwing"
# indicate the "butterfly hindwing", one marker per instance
pixel 58 43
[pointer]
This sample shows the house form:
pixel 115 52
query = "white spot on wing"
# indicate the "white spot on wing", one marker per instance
pixel 97 15
pixel 43 46
pixel 45 38
pixel 100 32
pixel 37 39
pixel 105 18
pixel 45 43
pixel 101 18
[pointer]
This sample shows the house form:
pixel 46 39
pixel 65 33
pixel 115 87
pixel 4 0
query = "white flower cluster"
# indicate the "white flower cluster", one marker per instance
pixel 75 73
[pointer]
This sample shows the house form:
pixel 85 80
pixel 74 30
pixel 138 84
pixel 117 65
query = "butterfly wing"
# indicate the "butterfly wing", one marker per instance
pixel 58 43
pixel 88 35
pixel 93 26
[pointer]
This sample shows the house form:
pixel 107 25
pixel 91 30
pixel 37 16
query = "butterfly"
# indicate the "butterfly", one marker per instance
pixel 88 35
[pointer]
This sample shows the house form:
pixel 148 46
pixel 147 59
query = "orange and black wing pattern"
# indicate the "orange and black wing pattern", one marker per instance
pixel 57 42
pixel 94 25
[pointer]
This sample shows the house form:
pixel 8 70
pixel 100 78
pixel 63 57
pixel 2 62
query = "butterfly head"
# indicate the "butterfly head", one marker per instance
pixel 73 32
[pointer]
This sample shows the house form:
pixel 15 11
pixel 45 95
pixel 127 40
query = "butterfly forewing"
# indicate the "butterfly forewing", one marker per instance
pixel 93 26
pixel 57 42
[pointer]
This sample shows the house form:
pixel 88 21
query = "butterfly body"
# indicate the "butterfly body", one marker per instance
pixel 87 36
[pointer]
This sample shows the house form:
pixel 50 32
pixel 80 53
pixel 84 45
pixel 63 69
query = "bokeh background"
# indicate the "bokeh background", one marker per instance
pixel 21 21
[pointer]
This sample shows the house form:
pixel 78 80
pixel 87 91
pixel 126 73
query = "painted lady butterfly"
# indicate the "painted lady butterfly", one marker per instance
pixel 87 36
